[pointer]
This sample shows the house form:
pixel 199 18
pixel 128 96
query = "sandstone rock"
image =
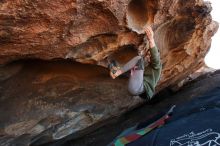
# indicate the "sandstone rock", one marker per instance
pixel 56 99
pixel 10 70
pixel 52 97
pixel 90 31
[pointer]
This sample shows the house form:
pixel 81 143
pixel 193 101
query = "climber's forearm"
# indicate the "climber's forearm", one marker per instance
pixel 152 43
pixel 155 55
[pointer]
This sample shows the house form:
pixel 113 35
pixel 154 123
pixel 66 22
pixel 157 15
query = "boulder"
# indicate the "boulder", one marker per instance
pixel 43 101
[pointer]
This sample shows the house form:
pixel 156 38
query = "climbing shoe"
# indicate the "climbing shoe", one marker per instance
pixel 113 66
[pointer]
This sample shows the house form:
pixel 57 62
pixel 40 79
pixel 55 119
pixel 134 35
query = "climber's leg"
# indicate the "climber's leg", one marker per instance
pixel 116 70
pixel 131 64
pixel 135 85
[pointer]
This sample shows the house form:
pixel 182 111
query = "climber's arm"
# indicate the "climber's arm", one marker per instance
pixel 155 55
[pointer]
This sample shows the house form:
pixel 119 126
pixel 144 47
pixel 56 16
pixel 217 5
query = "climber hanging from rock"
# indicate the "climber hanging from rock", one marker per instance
pixel 145 69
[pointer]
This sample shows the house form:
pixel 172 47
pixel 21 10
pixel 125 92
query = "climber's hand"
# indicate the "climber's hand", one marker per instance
pixel 149 33
pixel 150 36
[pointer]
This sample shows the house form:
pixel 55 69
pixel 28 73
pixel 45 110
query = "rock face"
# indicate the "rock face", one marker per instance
pixel 45 101
pixel 162 102
pixel 53 98
pixel 88 31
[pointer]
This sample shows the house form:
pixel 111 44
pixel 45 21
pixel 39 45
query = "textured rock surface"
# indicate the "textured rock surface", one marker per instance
pixel 41 98
pixel 88 31
pixel 45 101
pixel 161 103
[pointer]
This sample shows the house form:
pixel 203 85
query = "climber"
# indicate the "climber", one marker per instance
pixel 145 69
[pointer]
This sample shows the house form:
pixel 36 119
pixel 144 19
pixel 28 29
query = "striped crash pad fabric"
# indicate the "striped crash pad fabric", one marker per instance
pixel 122 141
